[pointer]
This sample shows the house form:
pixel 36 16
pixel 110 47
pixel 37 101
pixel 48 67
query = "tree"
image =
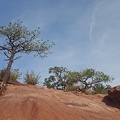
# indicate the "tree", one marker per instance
pixel 58 79
pixel 16 39
pixel 73 78
pixel 88 78
pixel 31 78
pixel 50 82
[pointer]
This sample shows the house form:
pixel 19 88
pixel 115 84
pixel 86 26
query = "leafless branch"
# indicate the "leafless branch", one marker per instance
pixel 17 58
pixel 6 54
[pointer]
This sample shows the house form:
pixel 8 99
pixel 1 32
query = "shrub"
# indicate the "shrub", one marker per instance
pixel 14 75
pixel 31 78
pixel 101 89
pixel 71 88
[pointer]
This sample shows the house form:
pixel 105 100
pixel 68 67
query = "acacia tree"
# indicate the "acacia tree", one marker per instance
pixel 15 39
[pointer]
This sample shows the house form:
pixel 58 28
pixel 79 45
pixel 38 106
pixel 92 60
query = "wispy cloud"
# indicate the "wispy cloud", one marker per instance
pixel 93 21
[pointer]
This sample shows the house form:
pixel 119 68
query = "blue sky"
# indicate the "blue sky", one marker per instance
pixel 86 34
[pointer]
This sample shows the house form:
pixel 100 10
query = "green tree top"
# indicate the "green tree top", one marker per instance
pixel 88 78
pixel 58 78
pixel 16 38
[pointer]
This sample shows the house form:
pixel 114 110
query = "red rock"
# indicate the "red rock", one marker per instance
pixel 114 92
pixel 39 103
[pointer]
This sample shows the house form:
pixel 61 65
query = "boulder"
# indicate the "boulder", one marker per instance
pixel 114 93
pixel 114 96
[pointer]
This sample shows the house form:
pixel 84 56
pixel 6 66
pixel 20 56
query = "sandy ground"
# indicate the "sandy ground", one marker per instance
pixel 39 103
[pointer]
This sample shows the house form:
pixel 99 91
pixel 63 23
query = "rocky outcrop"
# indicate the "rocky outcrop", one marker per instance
pixel 27 102
pixel 114 95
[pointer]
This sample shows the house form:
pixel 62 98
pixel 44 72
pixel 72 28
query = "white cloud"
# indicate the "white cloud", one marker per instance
pixel 93 21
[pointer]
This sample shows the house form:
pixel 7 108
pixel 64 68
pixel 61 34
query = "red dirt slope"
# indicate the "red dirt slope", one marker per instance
pixel 39 103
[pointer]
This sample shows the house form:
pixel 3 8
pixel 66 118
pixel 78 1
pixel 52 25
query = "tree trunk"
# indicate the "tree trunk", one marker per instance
pixel 6 76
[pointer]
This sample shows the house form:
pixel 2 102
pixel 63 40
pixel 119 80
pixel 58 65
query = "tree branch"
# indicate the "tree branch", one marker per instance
pixel 17 58
pixel 4 48
pixel 6 54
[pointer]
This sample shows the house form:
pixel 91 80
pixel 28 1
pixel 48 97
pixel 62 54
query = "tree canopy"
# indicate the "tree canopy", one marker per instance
pixel 58 78
pixel 74 80
pixel 16 39
pixel 88 78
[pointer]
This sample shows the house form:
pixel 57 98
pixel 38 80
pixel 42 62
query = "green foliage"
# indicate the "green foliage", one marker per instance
pixel 2 73
pixel 101 89
pixel 88 78
pixel 58 78
pixel 31 78
pixel 72 77
pixel 14 75
pixel 18 39
pixel 50 82
pixel 71 88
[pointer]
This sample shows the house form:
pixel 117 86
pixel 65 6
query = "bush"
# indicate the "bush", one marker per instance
pixel 31 78
pixel 101 89
pixel 14 75
pixel 71 88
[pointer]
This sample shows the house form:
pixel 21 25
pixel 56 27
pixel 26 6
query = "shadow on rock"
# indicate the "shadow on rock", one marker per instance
pixel 111 102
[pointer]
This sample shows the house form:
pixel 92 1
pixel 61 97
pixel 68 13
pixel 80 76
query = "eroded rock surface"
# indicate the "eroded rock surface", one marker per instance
pixel 39 103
